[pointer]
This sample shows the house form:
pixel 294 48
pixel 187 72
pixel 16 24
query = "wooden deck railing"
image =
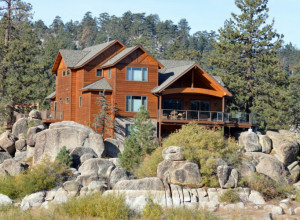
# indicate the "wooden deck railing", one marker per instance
pixel 59 115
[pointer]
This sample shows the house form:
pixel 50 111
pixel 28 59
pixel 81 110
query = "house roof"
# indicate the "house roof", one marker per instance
pixel 100 84
pixel 119 56
pixel 52 95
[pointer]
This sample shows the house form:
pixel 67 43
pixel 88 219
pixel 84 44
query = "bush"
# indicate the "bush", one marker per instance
pixel 64 157
pixel 44 176
pixel 152 210
pixel 269 188
pixel 185 213
pixel 111 206
pixel 297 198
pixel 229 196
pixel 203 146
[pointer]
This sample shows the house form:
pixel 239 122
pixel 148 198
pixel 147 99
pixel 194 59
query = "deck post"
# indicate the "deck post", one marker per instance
pixel 223 104
pixel 159 118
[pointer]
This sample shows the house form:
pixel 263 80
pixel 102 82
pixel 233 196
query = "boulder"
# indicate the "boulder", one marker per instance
pixel 35 114
pixel 97 166
pixel 20 127
pixel 77 152
pixel 96 186
pixel 151 183
pixel 33 200
pixel 86 157
pixel 69 134
pixel 4 200
pixel 61 196
pixel 268 165
pixel 294 170
pixel 118 174
pixel 85 180
pixel 249 140
pixel 286 149
pixel 173 153
pixel 31 135
pixel 12 167
pixel 183 173
pixel 36 123
pixel 4 156
pixel 266 143
pixel 72 187
pixel 246 167
pixel 7 142
pixel 116 161
pixel 112 147
pixel 277 210
pixel 256 198
pixel 228 177
pixel 20 155
pixel 21 145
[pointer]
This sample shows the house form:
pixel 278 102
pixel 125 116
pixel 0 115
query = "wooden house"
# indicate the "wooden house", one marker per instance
pixel 174 91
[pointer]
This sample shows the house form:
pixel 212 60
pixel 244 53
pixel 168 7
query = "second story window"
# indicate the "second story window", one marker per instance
pixel 133 103
pixel 68 72
pixel 137 74
pixel 67 100
pixel 99 72
pixel 63 73
pixel 109 73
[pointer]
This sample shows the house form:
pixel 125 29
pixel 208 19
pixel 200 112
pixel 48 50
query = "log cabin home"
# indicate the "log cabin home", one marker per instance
pixel 174 91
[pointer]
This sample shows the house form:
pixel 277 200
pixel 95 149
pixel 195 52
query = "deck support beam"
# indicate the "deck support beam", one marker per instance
pixel 159 117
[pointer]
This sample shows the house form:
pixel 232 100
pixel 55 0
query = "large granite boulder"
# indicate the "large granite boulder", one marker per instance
pixel 268 165
pixel 7 142
pixel 228 177
pixel 183 173
pixel 20 127
pixel 173 153
pixel 20 145
pixel 78 152
pixel 69 134
pixel 118 174
pixel 286 148
pixel 35 114
pixel 246 168
pixel 151 183
pixel 31 135
pixel 4 156
pixel 97 166
pixel 266 143
pixel 33 200
pixel 294 170
pixel 4 200
pixel 112 147
pixel 12 167
pixel 249 140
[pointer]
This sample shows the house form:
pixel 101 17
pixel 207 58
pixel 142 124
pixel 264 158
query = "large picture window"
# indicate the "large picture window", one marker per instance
pixel 136 74
pixel 173 104
pixel 133 103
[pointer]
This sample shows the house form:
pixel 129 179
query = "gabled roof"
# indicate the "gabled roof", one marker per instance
pixel 72 57
pixel 52 95
pixel 119 56
pixel 100 84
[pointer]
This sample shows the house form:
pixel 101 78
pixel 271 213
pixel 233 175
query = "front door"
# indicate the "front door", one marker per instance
pixel 200 109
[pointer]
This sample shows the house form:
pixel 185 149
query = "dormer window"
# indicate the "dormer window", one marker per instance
pixel 68 72
pixel 136 74
pixel 63 73
pixel 99 72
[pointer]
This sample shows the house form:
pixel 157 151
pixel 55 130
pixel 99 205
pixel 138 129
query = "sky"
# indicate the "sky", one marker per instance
pixel 201 14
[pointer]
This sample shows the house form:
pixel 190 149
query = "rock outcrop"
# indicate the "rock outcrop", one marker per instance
pixel 228 177
pixel 20 127
pixel 4 156
pixel 249 140
pixel 151 183
pixel 7 142
pixel 12 167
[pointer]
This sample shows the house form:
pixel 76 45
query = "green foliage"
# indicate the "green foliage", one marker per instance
pixel 111 206
pixel 44 176
pixel 64 157
pixel 269 188
pixel 152 210
pixel 203 146
pixel 141 141
pixel 229 196
pixel 185 213
pixel 297 198
pixel 148 168
pixel 30 124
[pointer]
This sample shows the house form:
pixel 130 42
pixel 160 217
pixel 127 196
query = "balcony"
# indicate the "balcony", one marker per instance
pixel 54 117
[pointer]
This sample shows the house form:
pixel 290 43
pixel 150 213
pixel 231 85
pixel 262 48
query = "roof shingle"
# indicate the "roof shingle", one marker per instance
pixel 100 84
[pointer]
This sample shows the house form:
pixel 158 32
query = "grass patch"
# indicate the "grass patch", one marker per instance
pixel 230 196
pixel 188 214
pixel 152 210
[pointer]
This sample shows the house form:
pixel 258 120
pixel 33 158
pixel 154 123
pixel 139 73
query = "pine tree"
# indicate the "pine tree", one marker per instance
pixel 141 141
pixel 104 120
pixel 246 59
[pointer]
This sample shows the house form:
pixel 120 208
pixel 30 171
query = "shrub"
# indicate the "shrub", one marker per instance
pixel 229 196
pixel 269 188
pixel 64 157
pixel 111 206
pixel 297 198
pixel 152 210
pixel 185 213
pixel 203 146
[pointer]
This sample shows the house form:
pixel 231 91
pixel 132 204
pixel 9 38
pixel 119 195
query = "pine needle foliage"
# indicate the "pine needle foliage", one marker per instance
pixel 64 157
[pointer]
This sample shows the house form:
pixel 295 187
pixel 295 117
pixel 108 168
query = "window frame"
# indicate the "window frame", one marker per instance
pixel 80 101
pixel 63 73
pixel 101 72
pixel 144 77
pixel 130 103
pixel 67 100
pixel 109 73
pixel 68 72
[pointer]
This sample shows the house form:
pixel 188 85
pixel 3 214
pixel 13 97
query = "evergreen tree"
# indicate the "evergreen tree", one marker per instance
pixel 246 59
pixel 141 141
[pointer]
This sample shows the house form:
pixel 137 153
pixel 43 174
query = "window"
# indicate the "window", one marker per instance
pixel 80 101
pixel 64 73
pixel 133 103
pixel 99 72
pixel 67 100
pixel 68 72
pixel 173 104
pixel 127 130
pixel 136 74
pixel 109 73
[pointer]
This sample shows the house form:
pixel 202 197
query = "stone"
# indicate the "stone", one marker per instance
pixel 228 177
pixel 35 114
pixel 71 186
pixel 294 169
pixel 33 200
pixel 112 147
pixel 5 200
pixel 20 145
pixel 118 174
pixel 266 216
pixel 211 206
pixel 4 156
pixel 31 135
pixel 266 143
pixel 12 167
pixel 183 173
pixel 213 194
pixel 7 142
pixel 69 134
pixel 291 211
pixel 249 140
pixel 61 196
pixel 77 152
pixel 286 149
pixel 20 155
pixel 45 205
pixel 96 186
pixel 20 127
pixel 297 211
pixel 50 195
pixel 186 195
pixel 173 153
pixel 86 157
pixel 283 205
pixel 277 210
pixel 246 167
pixel 36 123
pixel 116 161
pixel 268 165
pixel 85 180
pixel 97 166
pixel 256 198
pixel 177 195
pixel 150 183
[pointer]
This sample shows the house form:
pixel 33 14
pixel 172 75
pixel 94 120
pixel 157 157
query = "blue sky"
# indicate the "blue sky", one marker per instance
pixel 201 14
